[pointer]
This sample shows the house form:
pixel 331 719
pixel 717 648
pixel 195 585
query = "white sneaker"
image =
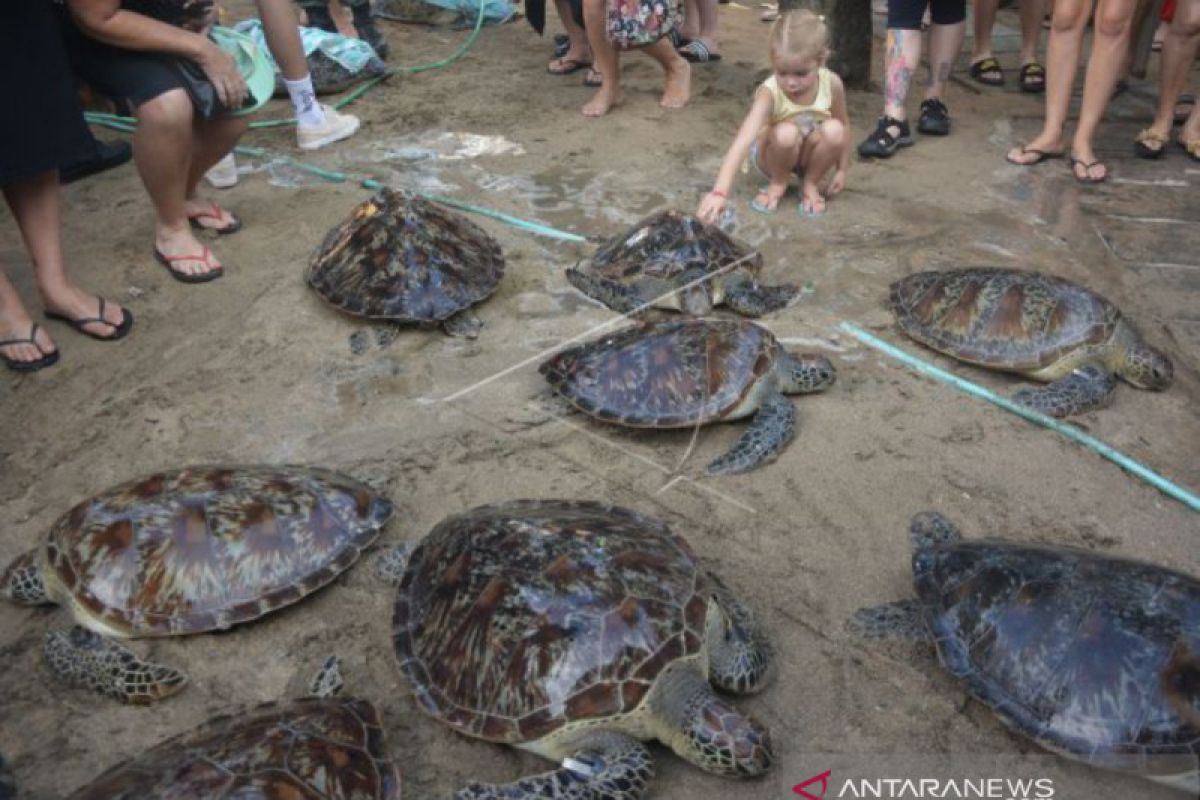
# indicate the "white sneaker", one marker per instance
pixel 337 126
pixel 223 174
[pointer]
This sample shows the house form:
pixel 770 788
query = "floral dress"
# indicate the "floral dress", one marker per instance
pixel 634 23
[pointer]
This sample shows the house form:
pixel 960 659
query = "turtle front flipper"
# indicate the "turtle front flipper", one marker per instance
pixel 616 296
pixel 1085 389
pixel 464 325
pixel 605 766
pixel 902 619
pixel 752 299
pixel 740 656
pixel 770 431
pixel 86 658
pixel 22 581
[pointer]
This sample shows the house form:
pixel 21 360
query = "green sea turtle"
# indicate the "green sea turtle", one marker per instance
pixel 674 261
pixel 573 630
pixel 686 372
pixel 1039 326
pixel 330 77
pixel 401 258
pixel 188 551
pixel 1094 658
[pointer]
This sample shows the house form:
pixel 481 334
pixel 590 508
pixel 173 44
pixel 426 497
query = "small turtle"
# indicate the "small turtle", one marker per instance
pixel 1094 658
pixel 573 630
pixel 330 77
pixel 188 551
pixel 308 749
pixel 687 372
pixel 663 262
pixel 1039 326
pixel 401 258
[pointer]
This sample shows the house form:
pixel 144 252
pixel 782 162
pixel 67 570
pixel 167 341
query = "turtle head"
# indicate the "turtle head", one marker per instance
pixel 928 531
pixel 1146 368
pixel 805 372
pixel 22 581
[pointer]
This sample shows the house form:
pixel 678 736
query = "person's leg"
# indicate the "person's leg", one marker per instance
pixel 700 24
pixel 901 60
pixel 364 23
pixel 985 20
pixel 36 204
pixel 820 153
pixel 1062 60
pixel 690 28
pixel 1110 37
pixel 283 37
pixel 946 36
pixel 677 72
pixel 1181 43
pixel 212 140
pixel 605 59
pixel 317 15
pixel 15 324
pixel 778 154
pixel 579 51
pixel 1030 12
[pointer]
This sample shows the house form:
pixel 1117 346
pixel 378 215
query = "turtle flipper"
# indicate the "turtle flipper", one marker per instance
pixel 1085 389
pixel 616 296
pixel 771 429
pixel 754 300
pixel 607 766
pixel 328 681
pixel 391 563
pixel 902 619
pixel 740 656
pixel 87 659
pixel 464 324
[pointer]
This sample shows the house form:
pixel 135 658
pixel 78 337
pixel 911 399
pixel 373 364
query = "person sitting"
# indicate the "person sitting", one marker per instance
pixel 797 124
pixel 614 25
pixel 127 54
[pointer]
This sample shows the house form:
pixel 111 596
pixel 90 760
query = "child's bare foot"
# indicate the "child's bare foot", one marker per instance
pixel 678 88
pixel 812 202
pixel 768 197
pixel 603 101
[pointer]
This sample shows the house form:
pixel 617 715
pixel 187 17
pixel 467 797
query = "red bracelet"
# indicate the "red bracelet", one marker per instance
pixel 718 193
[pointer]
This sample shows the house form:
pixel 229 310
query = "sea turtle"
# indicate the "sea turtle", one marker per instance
pixel 663 262
pixel 686 372
pixel 1094 658
pixel 573 630
pixel 1040 326
pixel 188 551
pixel 308 749
pixel 330 77
pixel 400 257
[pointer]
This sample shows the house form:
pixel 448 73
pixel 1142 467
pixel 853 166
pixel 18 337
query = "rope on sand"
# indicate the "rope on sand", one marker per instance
pixel 1124 461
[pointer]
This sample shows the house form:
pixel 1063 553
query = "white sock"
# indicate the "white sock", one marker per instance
pixel 304 100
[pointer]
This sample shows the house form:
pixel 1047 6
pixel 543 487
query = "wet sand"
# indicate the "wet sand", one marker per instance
pixel 254 368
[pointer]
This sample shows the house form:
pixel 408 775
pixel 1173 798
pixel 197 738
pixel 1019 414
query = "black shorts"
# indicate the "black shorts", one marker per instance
pixel 128 75
pixel 905 15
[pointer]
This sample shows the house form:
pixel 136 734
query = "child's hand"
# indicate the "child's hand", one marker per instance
pixel 711 207
pixel 837 182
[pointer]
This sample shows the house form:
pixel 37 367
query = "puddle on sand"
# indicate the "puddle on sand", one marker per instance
pixel 431 145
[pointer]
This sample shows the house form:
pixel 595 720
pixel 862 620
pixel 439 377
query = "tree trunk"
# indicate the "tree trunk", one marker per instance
pixel 850 32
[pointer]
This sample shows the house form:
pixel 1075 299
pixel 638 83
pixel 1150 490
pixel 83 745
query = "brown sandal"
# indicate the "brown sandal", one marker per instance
pixel 1150 144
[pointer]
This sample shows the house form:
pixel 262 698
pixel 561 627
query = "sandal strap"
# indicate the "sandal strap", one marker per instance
pixel 31 339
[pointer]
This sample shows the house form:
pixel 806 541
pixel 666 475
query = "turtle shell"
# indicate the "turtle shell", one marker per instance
pixel 1001 318
pixel 514 620
pixel 669 374
pixel 309 749
pixel 205 548
pixel 400 257
pixel 1093 657
pixel 668 244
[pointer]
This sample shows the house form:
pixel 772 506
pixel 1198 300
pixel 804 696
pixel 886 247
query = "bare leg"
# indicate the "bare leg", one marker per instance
pixel 1110 38
pixel 1062 59
pixel 36 204
pixel 778 154
pixel 705 26
pixel 579 50
pixel 213 139
pixel 283 37
pixel 1180 45
pixel 162 150
pixel 903 55
pixel 985 20
pixel 690 29
pixel 677 85
pixel 945 43
pixel 820 153
pixel 1031 12
pixel 595 17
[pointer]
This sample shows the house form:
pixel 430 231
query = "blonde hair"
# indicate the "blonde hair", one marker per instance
pixel 801 33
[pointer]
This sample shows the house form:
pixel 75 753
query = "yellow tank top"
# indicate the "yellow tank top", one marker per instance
pixel 819 110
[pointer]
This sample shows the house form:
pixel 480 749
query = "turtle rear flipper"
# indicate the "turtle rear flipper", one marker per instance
pixel 771 429
pixel 754 300
pixel 902 619
pixel 87 659
pixel 1085 389
pixel 607 766
pixel 616 296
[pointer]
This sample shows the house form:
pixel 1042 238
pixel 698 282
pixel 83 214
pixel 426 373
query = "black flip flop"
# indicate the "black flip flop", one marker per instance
pixel 47 359
pixel 697 52
pixel 1032 78
pixel 1042 155
pixel 118 331
pixel 1087 170
pixel 980 69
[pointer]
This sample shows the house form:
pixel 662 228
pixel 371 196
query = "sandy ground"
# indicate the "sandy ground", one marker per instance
pixel 253 368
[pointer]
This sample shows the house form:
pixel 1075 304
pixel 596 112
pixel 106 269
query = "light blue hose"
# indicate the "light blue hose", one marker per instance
pixel 1127 463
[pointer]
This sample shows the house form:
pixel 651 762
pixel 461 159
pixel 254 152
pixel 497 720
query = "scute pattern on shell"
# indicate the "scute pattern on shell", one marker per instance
pixel 1000 317
pixel 208 547
pixel 1093 655
pixel 309 749
pixel 669 374
pixel 514 620
pixel 667 244
pixel 400 257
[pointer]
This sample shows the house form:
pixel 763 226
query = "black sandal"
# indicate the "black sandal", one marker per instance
pixel 1033 78
pixel 987 71
pixel 118 330
pixel 16 365
pixel 881 143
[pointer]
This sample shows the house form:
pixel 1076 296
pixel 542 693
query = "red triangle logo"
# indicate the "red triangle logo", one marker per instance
pixel 822 779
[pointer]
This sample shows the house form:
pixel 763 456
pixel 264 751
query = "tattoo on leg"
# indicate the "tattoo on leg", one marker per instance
pixel 899 75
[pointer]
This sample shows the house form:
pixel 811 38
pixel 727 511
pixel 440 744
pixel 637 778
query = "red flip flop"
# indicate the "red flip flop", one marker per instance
pixel 216 213
pixel 205 256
